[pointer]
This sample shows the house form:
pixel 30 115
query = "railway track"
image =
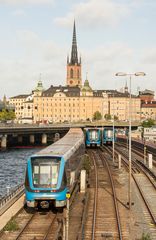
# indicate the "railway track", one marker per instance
pixel 40 225
pixel 103 215
pixel 146 187
pixel 139 149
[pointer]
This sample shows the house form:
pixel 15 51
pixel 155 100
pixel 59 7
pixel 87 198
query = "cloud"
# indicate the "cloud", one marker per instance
pixel 149 56
pixel 95 13
pixel 34 46
pixel 19 13
pixel 26 2
pixel 35 55
pixel 104 61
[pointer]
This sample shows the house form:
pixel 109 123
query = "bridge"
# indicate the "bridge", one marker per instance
pixel 19 134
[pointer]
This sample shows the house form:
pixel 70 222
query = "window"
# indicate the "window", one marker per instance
pixel 71 73
pixel 45 172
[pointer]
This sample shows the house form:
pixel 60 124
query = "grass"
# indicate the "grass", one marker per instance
pixel 146 236
pixel 86 163
pixel 11 226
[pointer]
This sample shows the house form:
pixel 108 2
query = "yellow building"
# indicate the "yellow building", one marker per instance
pixel 69 104
pixel 24 104
pixel 18 102
pixel 148 110
pixel 119 106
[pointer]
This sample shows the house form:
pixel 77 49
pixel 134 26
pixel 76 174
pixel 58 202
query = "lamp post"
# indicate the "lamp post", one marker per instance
pixel 113 129
pixel 121 74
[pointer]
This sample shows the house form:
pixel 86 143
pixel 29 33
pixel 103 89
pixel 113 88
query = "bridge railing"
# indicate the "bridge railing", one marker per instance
pixel 11 194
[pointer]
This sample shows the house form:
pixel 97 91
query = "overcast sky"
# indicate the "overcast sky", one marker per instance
pixel 112 36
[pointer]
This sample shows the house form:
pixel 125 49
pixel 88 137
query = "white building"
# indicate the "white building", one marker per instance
pixel 150 134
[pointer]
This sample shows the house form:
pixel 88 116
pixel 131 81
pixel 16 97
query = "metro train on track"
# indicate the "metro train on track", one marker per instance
pixel 107 136
pixel 95 137
pixel 48 173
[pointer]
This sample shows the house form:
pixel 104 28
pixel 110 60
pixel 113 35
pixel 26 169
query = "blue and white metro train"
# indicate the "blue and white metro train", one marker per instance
pixel 108 136
pixel 48 173
pixel 93 137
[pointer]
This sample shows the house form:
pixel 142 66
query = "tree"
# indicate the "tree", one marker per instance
pixel 107 116
pixel 116 118
pixel 97 116
pixel 148 123
pixel 7 115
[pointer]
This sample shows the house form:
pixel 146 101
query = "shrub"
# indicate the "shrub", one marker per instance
pixel 146 236
pixel 11 226
pixel 86 163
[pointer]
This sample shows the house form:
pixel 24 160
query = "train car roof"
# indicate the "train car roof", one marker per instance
pixel 65 146
pixel 93 128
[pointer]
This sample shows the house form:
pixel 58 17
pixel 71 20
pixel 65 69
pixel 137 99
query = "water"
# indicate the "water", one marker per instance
pixel 12 168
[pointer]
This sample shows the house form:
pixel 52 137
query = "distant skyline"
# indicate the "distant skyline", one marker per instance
pixel 112 36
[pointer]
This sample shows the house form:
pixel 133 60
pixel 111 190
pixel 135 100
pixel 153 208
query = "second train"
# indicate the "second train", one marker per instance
pixel 95 137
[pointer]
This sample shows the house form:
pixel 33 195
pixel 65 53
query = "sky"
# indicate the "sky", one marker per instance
pixel 112 36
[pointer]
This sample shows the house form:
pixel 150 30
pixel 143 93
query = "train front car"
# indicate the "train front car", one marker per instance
pixel 93 137
pixel 108 136
pixel 48 172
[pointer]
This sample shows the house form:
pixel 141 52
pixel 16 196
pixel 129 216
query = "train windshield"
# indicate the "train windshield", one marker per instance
pixel 93 134
pixel 110 133
pixel 45 172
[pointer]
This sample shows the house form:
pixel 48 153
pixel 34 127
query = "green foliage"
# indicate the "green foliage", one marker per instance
pixel 86 163
pixel 7 115
pixel 97 116
pixel 148 123
pixel 146 236
pixel 11 226
pixel 116 118
pixel 107 116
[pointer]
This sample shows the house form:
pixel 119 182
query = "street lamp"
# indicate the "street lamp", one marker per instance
pixel 113 129
pixel 121 74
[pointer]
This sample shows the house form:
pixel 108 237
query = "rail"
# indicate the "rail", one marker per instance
pixel 114 195
pixel 95 200
pixel 142 168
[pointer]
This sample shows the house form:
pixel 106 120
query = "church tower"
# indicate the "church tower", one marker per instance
pixel 74 65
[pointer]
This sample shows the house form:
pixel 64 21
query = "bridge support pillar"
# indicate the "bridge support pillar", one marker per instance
pixel 32 139
pixel 20 139
pixel 44 138
pixel 83 181
pixel 57 137
pixel 119 161
pixel 4 142
pixel 150 160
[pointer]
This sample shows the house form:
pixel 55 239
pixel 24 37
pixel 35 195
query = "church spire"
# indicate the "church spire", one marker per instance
pixel 73 65
pixel 126 88
pixel 74 55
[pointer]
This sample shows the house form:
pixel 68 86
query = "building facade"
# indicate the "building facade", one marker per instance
pixel 150 134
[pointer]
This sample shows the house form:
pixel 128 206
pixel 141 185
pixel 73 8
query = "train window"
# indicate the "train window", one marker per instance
pixel 44 175
pixel 93 134
pixel 45 172
pixel 36 175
